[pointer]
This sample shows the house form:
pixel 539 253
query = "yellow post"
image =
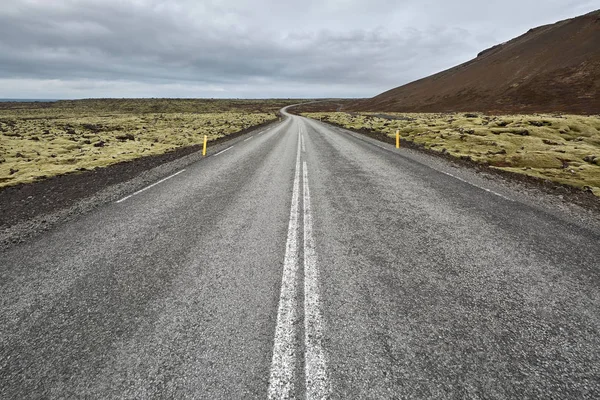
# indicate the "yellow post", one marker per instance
pixel 397 139
pixel 204 148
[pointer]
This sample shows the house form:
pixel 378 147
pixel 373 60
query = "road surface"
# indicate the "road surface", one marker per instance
pixel 306 262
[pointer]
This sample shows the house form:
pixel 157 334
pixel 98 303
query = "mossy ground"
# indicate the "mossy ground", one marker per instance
pixel 560 148
pixel 39 140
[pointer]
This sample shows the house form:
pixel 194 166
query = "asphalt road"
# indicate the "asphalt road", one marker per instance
pixel 306 262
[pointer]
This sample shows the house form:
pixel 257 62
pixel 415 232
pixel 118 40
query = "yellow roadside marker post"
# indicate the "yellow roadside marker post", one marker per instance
pixel 204 147
pixel 397 139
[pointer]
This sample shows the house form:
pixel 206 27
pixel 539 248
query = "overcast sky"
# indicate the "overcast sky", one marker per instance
pixel 249 48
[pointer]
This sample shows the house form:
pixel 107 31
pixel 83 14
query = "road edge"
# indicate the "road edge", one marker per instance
pixel 30 227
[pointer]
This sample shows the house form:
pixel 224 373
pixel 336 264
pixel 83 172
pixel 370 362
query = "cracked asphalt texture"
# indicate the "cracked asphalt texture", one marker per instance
pixel 430 287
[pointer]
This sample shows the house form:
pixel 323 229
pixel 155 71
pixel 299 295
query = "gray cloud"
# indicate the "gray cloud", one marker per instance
pixel 213 48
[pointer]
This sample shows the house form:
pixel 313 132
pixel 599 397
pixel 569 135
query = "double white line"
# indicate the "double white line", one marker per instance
pixel 285 362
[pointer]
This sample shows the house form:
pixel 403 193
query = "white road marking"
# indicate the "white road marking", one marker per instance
pixel 303 147
pixel 148 187
pixel 283 364
pixel 315 368
pixel 472 184
pixel 223 151
pixel 251 137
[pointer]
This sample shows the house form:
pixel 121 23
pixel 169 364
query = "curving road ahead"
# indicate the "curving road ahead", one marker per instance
pixel 306 262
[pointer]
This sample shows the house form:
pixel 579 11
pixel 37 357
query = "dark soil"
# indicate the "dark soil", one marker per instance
pixel 23 202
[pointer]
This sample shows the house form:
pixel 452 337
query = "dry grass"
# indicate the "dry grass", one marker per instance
pixel 561 148
pixel 46 139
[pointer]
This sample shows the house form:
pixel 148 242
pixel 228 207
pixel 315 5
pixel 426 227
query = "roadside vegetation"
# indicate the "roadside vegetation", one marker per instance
pixel 561 148
pixel 39 140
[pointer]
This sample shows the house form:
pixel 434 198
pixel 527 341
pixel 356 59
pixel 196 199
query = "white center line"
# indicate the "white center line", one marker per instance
pixel 283 364
pixel 251 137
pixel 303 147
pixel 148 187
pixel 315 367
pixel 223 151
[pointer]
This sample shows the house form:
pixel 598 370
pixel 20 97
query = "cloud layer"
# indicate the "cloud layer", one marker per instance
pixel 214 48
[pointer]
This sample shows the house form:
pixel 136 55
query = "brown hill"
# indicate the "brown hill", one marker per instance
pixel 550 68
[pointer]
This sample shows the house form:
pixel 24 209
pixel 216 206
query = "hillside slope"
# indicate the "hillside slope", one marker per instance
pixel 550 68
